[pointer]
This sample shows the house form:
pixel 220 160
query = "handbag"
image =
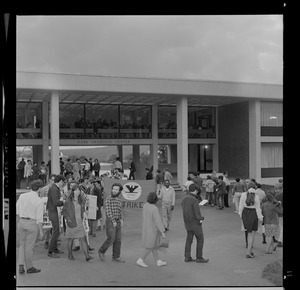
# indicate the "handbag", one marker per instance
pixel 163 242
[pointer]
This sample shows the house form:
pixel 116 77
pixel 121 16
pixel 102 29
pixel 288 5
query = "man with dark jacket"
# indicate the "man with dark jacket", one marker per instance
pixel 52 203
pixel 132 169
pixel 221 191
pixel 193 224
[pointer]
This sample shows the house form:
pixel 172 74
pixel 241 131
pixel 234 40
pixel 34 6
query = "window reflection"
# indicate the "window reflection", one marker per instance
pixel 135 121
pixel 167 125
pixel 71 120
pixel 101 121
pixel 29 120
pixel 201 122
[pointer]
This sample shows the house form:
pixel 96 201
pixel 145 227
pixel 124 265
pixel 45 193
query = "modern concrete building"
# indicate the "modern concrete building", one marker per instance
pixel 206 125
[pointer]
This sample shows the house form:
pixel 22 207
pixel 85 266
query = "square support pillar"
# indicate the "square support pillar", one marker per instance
pixel 254 141
pixel 182 140
pixel 154 147
pixel 54 120
pixel 45 124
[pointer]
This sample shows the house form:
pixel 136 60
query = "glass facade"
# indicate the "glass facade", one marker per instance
pixel 135 121
pixel 71 121
pixel 271 118
pixel 201 122
pixel 91 121
pixel 167 122
pixel 29 120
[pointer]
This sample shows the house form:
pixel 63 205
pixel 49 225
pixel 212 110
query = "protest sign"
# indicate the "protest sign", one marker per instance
pixel 134 193
pixel 92 206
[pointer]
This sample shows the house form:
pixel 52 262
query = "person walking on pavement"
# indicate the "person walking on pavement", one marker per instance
pixel 30 210
pixel 237 190
pixel 193 224
pixel 167 194
pixel 132 169
pixel 250 213
pixel 114 223
pixel 73 213
pixel 28 173
pixel 221 191
pixel 44 193
pixel 159 179
pixel 97 167
pixel 270 210
pixel 209 188
pixel 152 228
pixel 168 175
pixel 227 183
pixel 52 204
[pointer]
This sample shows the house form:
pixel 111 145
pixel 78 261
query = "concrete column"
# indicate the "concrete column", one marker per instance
pixel 45 124
pixel 182 139
pixel 120 152
pixel 54 119
pixel 136 154
pixel 254 140
pixel 154 146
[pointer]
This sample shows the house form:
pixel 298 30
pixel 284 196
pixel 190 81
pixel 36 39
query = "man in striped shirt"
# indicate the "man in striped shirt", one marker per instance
pixel 114 222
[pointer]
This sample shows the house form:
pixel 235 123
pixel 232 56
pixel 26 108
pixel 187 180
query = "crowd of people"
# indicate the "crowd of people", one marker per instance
pixel 256 209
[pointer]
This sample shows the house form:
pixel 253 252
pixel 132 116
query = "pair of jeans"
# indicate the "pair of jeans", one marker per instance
pixel 27 231
pixel 53 217
pixel 195 230
pixel 113 238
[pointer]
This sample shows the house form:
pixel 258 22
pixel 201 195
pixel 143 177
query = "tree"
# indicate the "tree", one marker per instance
pixel 163 154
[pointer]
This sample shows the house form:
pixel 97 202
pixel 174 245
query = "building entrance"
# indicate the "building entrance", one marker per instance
pixel 205 157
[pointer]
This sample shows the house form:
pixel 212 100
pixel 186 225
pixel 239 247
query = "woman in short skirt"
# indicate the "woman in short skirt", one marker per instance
pixel 270 210
pixel 73 213
pixel 250 213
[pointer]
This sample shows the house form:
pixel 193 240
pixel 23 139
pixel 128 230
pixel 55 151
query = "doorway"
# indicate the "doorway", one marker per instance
pixel 205 158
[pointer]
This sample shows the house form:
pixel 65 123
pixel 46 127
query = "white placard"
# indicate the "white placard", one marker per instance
pixel 92 206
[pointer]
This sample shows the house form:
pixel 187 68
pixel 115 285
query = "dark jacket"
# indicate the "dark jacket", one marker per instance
pixel 191 211
pixel 221 186
pixel 270 212
pixel 132 167
pixel 54 199
pixel 68 212
pixel 98 192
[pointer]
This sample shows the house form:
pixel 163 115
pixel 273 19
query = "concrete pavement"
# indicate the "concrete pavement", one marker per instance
pixel 223 244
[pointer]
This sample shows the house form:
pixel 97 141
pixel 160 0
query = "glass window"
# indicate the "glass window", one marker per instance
pixel 29 120
pixel 201 122
pixel 71 120
pixel 271 114
pixel 102 121
pixel 167 122
pixel 271 155
pixel 135 121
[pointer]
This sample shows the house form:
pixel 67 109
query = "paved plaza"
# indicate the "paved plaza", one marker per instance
pixel 224 246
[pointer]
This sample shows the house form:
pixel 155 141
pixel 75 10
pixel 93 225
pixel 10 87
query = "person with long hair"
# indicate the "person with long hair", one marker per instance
pixel 250 213
pixel 152 228
pixel 73 213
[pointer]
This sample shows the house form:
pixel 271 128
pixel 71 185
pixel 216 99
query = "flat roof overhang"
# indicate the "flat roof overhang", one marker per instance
pixel 73 88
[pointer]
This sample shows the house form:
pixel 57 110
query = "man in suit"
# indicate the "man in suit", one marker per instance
pixel 52 204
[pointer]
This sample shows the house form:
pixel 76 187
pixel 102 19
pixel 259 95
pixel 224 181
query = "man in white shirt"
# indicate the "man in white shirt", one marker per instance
pixel 30 209
pixel 167 194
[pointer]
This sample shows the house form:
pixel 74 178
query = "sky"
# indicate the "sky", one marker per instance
pixel 242 48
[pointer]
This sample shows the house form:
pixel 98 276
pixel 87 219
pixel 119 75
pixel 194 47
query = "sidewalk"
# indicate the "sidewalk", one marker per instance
pixel 224 246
